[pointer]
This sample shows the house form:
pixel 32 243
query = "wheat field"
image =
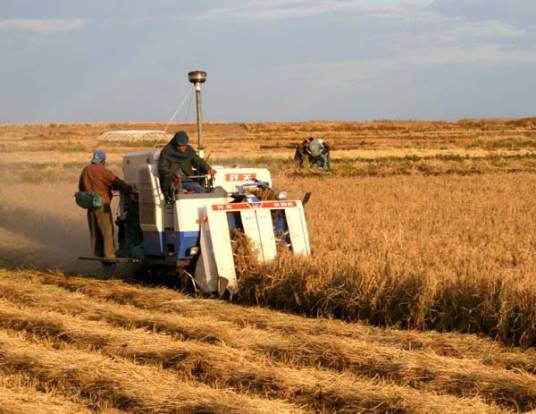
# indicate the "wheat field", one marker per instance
pixel 419 296
pixel 445 253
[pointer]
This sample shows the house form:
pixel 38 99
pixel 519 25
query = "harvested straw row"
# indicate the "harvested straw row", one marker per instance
pixel 122 384
pixel 165 300
pixel 18 396
pixel 12 402
pixel 21 393
pixel 224 367
pixel 417 369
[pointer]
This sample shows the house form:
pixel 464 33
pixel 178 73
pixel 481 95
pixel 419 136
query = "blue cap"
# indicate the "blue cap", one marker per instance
pixel 98 157
pixel 180 138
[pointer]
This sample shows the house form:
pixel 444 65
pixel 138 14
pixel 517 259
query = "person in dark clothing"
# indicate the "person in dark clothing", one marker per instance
pixel 327 153
pixel 179 162
pixel 95 177
pixel 302 152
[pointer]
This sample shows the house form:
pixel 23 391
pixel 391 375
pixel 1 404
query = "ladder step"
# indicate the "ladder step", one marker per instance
pixel 114 260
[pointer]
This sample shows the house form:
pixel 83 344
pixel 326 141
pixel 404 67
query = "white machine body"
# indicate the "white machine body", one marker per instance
pixel 197 227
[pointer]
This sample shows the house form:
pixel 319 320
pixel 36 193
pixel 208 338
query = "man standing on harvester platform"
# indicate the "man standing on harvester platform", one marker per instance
pixel 178 164
pixel 96 178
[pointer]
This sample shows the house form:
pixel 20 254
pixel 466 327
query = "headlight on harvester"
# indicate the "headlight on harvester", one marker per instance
pixel 282 195
pixel 194 250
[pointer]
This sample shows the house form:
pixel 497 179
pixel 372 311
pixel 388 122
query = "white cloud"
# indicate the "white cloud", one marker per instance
pixel 41 26
pixel 363 70
pixel 514 11
pixel 486 29
pixel 288 9
pixel 445 29
pixel 480 54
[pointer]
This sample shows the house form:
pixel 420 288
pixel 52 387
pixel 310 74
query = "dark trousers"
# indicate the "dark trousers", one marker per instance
pixel 101 229
pixel 299 156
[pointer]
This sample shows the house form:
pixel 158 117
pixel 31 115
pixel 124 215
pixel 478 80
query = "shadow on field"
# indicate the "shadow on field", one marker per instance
pixel 39 259
pixel 44 260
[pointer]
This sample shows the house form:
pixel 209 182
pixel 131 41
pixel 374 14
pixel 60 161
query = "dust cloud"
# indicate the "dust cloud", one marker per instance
pixel 41 227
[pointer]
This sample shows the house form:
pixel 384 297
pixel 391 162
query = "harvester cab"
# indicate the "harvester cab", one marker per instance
pixel 194 233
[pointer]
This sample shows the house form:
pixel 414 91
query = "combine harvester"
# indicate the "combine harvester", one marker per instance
pixel 192 237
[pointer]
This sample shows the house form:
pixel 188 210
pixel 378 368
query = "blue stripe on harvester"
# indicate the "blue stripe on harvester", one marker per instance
pixel 156 243
pixel 187 240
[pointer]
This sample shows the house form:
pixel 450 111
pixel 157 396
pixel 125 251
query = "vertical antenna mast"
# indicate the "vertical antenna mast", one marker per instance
pixel 197 78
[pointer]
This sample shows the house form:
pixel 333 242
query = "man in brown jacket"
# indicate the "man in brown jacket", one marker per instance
pixel 97 178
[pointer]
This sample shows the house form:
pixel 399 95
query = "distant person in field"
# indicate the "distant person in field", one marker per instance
pixel 302 153
pixel 316 151
pixel 177 164
pixel 97 178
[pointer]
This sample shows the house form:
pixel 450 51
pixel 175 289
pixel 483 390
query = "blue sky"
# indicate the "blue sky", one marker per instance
pixel 267 60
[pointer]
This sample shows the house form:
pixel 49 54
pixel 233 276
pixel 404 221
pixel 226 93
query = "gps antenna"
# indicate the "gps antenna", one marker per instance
pixel 198 77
